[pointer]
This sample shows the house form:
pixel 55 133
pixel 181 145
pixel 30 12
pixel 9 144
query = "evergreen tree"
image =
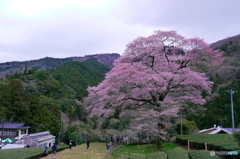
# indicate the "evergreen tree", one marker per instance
pixel 15 102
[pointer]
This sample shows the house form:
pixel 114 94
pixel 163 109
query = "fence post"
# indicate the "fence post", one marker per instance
pixel 205 146
pixel 188 145
pixel 129 153
pixel 112 149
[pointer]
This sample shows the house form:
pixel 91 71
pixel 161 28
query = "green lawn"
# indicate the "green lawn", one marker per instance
pixel 146 147
pixel 168 146
pixel 96 151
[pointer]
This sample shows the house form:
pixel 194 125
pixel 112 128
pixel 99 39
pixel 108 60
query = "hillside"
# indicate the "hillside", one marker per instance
pixel 49 63
pixel 80 75
pixel 229 46
pixel 49 100
pixel 225 77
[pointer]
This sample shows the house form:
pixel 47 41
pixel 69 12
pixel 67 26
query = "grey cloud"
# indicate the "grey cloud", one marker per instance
pixel 211 20
pixel 77 32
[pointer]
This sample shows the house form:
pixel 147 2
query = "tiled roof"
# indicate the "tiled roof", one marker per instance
pixel 14 126
pixel 215 130
pixel 230 129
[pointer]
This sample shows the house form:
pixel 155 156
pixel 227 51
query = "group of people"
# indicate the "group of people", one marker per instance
pixel 54 147
pixel 54 150
pixel 119 140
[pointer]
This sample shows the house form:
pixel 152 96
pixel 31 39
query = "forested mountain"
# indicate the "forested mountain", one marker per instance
pixel 48 63
pixel 49 100
pixel 225 77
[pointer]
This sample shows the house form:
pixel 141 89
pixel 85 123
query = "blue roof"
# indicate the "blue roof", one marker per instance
pixel 37 136
pixel 14 126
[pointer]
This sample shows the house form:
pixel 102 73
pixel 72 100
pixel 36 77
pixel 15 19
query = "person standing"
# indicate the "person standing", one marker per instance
pixel 70 144
pixel 54 149
pixel 108 147
pixel 111 139
pixel 45 152
pixel 88 143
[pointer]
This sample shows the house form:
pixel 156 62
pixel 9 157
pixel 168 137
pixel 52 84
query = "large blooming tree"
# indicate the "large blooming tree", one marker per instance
pixel 152 80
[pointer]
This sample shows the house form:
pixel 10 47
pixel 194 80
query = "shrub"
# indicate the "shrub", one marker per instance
pixel 188 127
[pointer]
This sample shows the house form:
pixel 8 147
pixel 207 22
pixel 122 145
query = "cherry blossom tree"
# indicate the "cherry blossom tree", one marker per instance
pixel 153 76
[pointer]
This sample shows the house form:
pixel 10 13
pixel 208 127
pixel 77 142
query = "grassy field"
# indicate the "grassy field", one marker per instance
pixel 169 146
pixel 95 151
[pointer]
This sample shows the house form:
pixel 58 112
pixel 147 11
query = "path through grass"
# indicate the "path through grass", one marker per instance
pixel 96 151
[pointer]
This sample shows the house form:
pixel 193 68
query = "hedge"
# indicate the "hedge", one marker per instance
pixel 122 157
pixel 176 154
pixel 217 142
pixel 201 154
pixel 138 157
pixel 157 155
pixel 25 153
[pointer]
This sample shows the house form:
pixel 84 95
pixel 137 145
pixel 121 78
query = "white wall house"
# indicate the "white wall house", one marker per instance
pixel 14 131
pixel 41 139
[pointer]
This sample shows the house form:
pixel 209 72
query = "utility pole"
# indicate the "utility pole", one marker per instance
pixel 76 140
pixel 181 123
pixel 221 121
pixel 181 118
pixel 59 138
pixel 231 92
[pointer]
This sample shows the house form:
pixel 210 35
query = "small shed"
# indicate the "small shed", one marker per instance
pixel 41 139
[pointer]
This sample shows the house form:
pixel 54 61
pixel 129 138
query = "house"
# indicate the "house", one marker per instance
pixel 41 139
pixel 217 130
pixel 14 131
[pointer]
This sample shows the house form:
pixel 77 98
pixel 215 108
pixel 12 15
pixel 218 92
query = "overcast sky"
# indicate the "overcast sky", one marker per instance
pixel 34 29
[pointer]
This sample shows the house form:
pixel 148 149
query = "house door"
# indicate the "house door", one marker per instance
pixel 50 144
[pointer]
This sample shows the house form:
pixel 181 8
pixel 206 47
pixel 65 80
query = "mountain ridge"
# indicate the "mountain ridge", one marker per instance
pixel 48 63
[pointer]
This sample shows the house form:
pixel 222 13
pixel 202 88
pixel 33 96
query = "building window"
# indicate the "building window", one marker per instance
pixel 8 133
pixel 23 131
